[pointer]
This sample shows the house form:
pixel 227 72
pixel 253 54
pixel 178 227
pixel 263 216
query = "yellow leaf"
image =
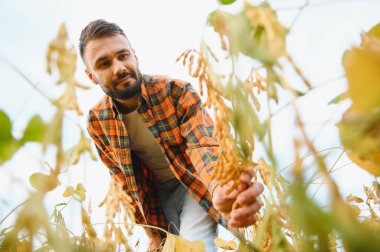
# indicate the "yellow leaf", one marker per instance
pixel 375 31
pixel 80 191
pixel 371 164
pixel 43 182
pixel 220 242
pixel 363 74
pixel 351 198
pixel 358 128
pixel 356 210
pixel 243 247
pixel 87 224
pixel 69 191
pixel 176 243
pixel 230 245
pixel 169 245
pixel 183 245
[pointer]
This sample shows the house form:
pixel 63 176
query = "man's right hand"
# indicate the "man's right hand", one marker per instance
pixel 246 195
pixel 155 242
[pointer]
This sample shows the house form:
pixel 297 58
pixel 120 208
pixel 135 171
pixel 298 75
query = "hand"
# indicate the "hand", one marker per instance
pixel 155 242
pixel 246 195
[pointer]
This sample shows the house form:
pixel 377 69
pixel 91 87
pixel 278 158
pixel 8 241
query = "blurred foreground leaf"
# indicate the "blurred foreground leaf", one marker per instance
pixel 80 191
pixel 359 128
pixel 226 1
pixel 8 145
pixel 34 131
pixel 73 154
pixel 338 98
pixel 43 182
pixel 69 191
pixel 265 43
pixel 220 243
pixel 375 31
pixel 5 127
pixel 363 74
pixel 176 243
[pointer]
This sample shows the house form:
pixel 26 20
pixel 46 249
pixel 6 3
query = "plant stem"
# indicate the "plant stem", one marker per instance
pixel 14 209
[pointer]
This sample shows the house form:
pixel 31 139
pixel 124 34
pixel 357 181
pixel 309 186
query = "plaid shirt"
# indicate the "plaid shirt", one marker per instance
pixel 172 111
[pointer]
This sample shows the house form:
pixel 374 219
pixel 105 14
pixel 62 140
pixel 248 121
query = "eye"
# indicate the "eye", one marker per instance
pixel 104 64
pixel 123 56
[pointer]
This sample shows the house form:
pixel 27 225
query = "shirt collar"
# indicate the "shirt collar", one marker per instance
pixel 146 80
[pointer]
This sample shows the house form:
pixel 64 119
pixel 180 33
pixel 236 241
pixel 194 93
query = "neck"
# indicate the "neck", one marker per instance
pixel 128 105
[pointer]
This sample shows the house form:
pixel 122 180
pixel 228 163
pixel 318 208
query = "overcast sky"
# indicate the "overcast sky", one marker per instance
pixel 159 31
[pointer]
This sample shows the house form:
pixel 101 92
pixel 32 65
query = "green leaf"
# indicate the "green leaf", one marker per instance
pixel 226 1
pixel 338 98
pixel 8 149
pixel 35 130
pixel 313 222
pixel 5 127
pixel 261 39
pixel 8 145
pixel 43 182
pixel 61 204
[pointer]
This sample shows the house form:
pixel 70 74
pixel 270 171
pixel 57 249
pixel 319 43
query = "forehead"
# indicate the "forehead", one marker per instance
pixel 105 46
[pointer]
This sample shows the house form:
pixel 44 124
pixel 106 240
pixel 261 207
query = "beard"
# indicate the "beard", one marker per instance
pixel 128 91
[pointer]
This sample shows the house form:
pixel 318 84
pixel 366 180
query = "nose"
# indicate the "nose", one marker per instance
pixel 118 67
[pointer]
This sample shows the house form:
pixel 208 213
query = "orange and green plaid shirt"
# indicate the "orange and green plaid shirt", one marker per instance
pixel 173 113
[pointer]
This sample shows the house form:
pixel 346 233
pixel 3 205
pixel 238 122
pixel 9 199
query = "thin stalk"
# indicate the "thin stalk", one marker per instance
pixel 320 162
pixel 269 128
pixel 323 181
pixel 265 222
pixel 308 155
pixel 12 211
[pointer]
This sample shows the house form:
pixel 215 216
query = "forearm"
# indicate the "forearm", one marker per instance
pixel 155 242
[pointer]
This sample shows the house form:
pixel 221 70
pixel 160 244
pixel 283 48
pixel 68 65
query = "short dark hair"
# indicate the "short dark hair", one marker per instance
pixel 96 29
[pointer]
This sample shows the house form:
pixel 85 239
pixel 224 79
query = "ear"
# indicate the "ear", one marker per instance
pixel 91 76
pixel 134 53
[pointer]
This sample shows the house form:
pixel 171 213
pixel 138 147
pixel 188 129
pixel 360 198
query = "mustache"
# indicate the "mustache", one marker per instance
pixel 121 76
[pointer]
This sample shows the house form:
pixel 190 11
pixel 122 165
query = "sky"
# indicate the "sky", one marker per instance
pixel 160 31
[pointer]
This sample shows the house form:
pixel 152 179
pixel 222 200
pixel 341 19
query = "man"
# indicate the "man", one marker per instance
pixel 156 139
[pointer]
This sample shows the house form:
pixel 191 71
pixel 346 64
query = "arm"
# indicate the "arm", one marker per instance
pixel 197 127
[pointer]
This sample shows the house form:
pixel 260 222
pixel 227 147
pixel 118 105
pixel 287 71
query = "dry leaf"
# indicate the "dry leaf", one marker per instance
pixel 176 243
pixel 69 191
pixel 372 164
pixel 362 71
pixel 43 182
pixel 356 210
pixel 230 245
pixel 351 198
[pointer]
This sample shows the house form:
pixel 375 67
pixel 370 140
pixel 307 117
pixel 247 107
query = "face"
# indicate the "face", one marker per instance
pixel 112 64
